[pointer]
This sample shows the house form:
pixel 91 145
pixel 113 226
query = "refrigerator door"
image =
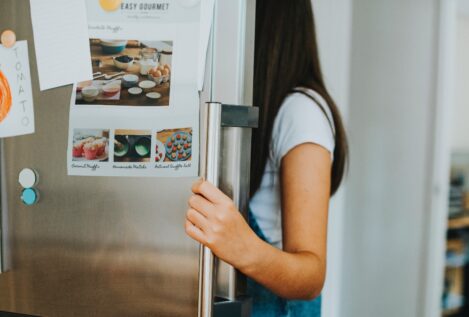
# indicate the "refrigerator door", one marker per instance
pixel 96 246
pixel 91 246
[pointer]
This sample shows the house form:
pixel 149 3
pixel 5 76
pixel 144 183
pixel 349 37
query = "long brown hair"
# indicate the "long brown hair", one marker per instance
pixel 287 57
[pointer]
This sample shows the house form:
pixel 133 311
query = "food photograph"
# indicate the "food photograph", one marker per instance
pixel 173 145
pixel 90 145
pixel 132 146
pixel 128 73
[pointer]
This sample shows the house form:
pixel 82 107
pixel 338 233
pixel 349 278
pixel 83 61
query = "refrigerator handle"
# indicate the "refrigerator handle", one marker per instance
pixel 216 116
pixel 210 168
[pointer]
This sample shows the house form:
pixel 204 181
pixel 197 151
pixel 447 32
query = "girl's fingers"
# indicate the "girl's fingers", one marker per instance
pixel 209 191
pixel 197 219
pixel 201 204
pixel 194 232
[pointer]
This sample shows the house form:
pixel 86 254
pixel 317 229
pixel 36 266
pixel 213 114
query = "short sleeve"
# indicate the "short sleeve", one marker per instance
pixel 300 120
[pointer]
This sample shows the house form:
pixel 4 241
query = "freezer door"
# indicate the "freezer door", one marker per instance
pixel 92 246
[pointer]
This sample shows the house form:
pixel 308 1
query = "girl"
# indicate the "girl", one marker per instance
pixel 299 154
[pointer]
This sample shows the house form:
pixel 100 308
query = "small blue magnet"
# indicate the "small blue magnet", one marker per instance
pixel 29 196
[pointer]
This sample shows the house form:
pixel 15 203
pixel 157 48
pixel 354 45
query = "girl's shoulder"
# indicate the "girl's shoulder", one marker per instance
pixel 305 102
pixel 304 117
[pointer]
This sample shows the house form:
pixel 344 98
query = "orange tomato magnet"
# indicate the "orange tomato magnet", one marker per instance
pixel 5 97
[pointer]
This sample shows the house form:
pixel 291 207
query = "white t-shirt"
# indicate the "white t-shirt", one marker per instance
pixel 300 120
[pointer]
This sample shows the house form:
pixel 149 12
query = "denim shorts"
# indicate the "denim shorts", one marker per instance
pixel 267 304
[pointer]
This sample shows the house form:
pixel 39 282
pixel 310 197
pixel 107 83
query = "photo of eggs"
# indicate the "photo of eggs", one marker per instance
pixel 174 145
pixel 90 145
pixel 5 97
pixel 128 73
pixel 132 146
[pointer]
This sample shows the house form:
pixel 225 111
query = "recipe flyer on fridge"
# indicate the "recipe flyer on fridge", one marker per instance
pixel 139 116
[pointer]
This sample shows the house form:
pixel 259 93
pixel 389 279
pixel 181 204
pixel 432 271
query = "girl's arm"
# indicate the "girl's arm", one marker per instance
pixel 297 271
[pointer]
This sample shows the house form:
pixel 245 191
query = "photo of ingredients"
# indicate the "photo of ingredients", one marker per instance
pixel 174 145
pixel 90 145
pixel 132 146
pixel 128 73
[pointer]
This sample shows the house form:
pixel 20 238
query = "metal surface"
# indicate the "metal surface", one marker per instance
pixel 116 247
pixel 239 116
pixel 234 177
pixel 238 307
pixel 235 171
pixel 232 83
pixel 212 134
pixel 92 246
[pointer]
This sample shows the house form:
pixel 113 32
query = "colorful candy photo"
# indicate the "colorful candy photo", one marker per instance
pixel 173 145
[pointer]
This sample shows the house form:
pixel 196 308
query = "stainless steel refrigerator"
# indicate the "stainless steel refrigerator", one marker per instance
pixel 98 246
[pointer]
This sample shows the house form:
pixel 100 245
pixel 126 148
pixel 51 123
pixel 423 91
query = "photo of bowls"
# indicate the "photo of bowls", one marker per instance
pixel 130 80
pixel 111 89
pixel 113 46
pixel 147 85
pixel 128 73
pixel 177 144
pixel 132 146
pixel 121 146
pixel 90 145
pixel 135 91
pixel 153 95
pixel 84 84
pixel 123 62
pixel 90 93
pixel 143 146
pixel 98 91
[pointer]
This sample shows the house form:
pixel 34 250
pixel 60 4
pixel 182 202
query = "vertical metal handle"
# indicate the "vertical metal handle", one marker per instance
pixel 210 167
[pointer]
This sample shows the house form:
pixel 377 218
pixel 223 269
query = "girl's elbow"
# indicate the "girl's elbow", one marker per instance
pixel 312 293
pixel 307 292
pixel 313 290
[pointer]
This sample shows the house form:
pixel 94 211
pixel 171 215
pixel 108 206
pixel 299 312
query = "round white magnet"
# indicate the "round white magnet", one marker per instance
pixel 28 178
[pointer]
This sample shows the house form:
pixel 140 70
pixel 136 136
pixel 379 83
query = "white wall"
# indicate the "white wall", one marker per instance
pixel 392 103
pixel 333 23
pixel 460 131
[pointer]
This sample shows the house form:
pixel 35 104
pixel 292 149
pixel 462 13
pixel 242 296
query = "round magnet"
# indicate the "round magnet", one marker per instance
pixel 110 5
pixel 29 196
pixel 28 178
pixel 8 38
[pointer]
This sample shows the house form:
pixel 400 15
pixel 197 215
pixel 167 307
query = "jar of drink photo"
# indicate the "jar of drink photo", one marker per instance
pixel 148 60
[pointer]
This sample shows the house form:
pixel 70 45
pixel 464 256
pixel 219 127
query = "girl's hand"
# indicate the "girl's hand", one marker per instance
pixel 214 221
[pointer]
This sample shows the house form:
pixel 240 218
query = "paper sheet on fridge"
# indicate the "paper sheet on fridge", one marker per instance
pixel 140 115
pixel 206 21
pixel 61 41
pixel 16 98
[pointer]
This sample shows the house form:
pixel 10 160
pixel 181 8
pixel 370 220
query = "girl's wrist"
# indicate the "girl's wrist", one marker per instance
pixel 252 258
